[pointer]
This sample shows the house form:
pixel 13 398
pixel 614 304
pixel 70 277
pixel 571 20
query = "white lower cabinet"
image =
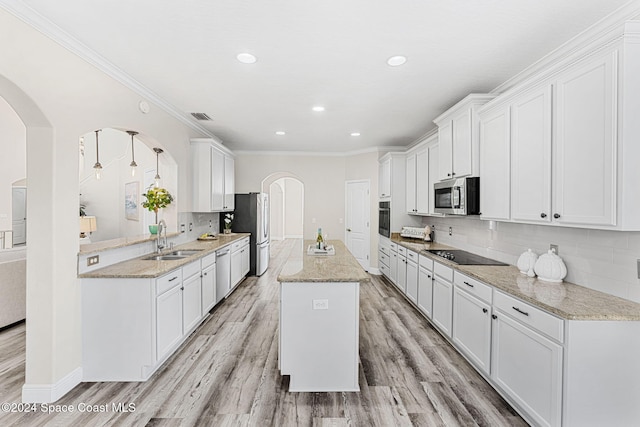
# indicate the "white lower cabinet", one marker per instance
pixel 191 303
pixel 239 261
pixel 412 276
pixel 168 320
pixel 393 266
pixel 472 328
pixel 442 297
pixel 425 286
pixel 208 288
pixel 401 279
pixel 528 367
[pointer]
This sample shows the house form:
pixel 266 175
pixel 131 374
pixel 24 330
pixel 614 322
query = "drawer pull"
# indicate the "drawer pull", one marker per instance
pixel 520 311
pixel 172 279
pixel 484 310
pixel 468 284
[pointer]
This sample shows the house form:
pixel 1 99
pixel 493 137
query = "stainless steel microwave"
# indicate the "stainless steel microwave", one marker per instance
pixel 460 196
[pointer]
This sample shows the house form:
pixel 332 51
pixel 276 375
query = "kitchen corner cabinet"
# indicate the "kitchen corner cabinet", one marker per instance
pixel 213 173
pixel 494 163
pixel 458 138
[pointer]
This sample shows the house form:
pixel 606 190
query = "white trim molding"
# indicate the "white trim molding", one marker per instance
pixel 49 393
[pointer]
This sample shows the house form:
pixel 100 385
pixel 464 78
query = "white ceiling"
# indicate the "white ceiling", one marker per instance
pixel 331 53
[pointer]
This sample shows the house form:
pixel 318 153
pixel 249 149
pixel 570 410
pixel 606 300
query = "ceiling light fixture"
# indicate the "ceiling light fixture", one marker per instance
pixel 246 58
pixel 280 133
pixel 133 163
pixel 318 108
pixel 355 133
pixel 97 167
pixel 158 152
pixel 397 60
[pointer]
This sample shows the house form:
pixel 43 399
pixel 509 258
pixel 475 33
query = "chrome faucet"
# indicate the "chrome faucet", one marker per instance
pixel 162 226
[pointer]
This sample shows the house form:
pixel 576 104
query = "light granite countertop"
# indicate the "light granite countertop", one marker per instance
pixel 141 268
pixel 566 300
pixel 341 267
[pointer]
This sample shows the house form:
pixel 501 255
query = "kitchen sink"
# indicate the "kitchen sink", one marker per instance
pixel 168 257
pixel 185 252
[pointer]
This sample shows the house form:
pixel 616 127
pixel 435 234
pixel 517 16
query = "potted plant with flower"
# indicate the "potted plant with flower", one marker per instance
pixel 157 198
pixel 228 222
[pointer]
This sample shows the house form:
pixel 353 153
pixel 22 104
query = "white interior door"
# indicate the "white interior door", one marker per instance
pixel 357 220
pixel 19 215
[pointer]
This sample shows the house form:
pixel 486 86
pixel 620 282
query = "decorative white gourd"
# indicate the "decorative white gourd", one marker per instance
pixel 550 267
pixel 526 263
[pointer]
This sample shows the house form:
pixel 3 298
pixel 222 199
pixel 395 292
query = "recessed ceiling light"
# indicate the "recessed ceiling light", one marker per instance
pixel 355 133
pixel 280 132
pixel 395 61
pixel 246 58
pixel 318 108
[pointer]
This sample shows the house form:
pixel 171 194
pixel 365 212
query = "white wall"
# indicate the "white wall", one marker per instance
pixel 13 162
pixel 598 259
pixel 60 97
pixel 276 211
pixel 323 177
pixel 293 196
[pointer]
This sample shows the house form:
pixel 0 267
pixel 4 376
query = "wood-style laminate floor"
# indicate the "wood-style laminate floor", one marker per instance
pixel 226 373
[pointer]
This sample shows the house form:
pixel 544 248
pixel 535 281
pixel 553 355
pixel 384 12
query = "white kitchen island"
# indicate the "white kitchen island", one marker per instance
pixel 319 311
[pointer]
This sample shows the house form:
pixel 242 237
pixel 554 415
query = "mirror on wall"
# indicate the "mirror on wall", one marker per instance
pixel 114 200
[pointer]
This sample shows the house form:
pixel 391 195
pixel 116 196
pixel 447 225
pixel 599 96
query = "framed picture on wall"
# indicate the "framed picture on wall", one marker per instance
pixel 131 194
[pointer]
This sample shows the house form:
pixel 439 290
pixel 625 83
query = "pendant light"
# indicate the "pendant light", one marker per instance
pixel 97 167
pixel 133 163
pixel 158 152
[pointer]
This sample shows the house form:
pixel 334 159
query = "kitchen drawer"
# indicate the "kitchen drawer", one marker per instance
pixel 402 250
pixel 168 281
pixel 385 250
pixel 413 256
pixel 385 270
pixel 208 260
pixel 473 286
pixel 426 262
pixel 235 246
pixel 384 258
pixel 191 269
pixel 393 247
pixel 245 241
pixel 533 317
pixel 443 271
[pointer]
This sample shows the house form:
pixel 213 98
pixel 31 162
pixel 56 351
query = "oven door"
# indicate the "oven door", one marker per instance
pixel 384 219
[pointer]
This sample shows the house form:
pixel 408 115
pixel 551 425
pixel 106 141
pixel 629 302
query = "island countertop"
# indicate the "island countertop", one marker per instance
pixel 341 267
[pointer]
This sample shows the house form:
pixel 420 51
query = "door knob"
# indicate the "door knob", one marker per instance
pixel 556 215
pixel 543 215
pixel 349 230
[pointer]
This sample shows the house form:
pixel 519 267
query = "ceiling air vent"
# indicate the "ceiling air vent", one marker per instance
pixel 201 116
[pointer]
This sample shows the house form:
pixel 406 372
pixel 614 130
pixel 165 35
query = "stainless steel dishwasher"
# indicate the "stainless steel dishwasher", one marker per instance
pixel 223 273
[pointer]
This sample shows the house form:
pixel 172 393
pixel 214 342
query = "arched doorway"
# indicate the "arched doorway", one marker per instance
pixel 286 194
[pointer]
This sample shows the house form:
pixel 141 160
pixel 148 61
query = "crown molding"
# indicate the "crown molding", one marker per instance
pixel 36 20
pixel 380 149
pixel 607 28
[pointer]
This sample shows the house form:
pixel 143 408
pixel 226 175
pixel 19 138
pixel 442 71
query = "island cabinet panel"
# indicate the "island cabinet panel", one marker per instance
pixel 319 335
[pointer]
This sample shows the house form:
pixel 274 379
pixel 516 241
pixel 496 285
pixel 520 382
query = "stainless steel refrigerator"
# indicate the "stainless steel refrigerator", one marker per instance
pixel 251 215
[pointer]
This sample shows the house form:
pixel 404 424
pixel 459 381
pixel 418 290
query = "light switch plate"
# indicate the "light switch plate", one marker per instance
pixel 321 304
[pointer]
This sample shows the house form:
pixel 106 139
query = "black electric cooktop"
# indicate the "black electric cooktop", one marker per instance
pixel 463 257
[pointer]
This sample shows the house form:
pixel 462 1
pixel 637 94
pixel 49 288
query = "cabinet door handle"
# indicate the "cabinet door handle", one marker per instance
pixel 556 215
pixel 205 274
pixel 468 284
pixel 428 276
pixel 453 173
pixel 484 310
pixel 182 288
pixel 520 311
pixel 494 317
pixel 172 279
pixel 543 215
pixel 448 174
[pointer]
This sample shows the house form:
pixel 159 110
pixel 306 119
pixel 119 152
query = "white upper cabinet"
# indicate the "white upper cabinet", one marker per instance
pixel 213 178
pixel 418 184
pixel 434 172
pixel 531 156
pixel 458 135
pixel 584 163
pixel 494 163
pixel 384 184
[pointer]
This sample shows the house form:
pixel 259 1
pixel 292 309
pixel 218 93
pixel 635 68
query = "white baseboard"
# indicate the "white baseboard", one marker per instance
pixel 49 393
pixel 375 271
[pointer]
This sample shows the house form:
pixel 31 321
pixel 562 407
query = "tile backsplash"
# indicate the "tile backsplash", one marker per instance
pixel 598 259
